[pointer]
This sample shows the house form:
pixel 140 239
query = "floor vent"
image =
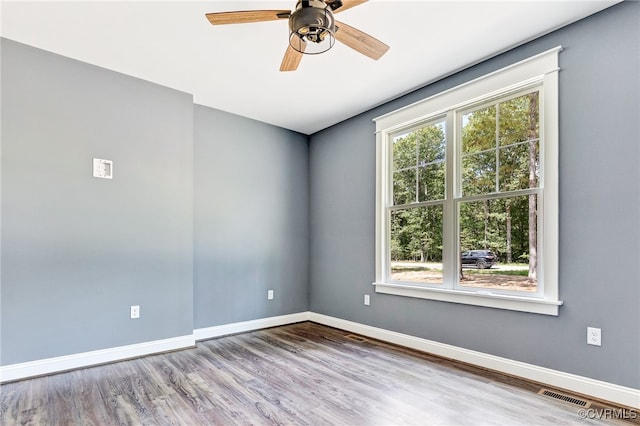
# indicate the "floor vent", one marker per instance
pixel 565 398
pixel 356 338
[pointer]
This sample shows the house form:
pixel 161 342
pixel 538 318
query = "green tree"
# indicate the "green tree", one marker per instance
pixel 418 176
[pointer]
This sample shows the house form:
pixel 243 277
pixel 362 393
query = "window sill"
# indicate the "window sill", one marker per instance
pixel 490 300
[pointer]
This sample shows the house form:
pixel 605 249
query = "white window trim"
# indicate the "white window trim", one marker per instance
pixel 540 68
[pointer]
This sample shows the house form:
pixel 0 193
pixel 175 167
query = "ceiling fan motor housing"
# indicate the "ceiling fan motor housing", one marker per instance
pixel 312 27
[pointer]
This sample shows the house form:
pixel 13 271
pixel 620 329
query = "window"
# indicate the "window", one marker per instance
pixel 466 203
pixel 418 193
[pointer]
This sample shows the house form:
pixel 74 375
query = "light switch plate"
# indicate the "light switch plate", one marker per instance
pixel 102 168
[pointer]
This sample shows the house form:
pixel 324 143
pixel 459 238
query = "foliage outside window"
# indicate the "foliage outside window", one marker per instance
pixel 467 192
pixel 418 189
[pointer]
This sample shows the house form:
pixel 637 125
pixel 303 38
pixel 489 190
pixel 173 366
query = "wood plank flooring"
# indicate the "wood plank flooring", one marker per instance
pixel 300 374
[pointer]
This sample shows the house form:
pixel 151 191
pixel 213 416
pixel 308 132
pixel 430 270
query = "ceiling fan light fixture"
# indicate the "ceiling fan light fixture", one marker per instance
pixel 312 27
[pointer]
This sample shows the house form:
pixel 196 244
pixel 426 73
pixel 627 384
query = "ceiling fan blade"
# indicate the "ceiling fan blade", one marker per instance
pixel 347 4
pixel 292 58
pixel 247 16
pixel 362 42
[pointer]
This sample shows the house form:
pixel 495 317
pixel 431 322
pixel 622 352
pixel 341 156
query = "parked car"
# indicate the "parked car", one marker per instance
pixel 481 259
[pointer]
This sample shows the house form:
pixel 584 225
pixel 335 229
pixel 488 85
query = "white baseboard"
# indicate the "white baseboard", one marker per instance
pixel 602 390
pixel 42 367
pixel 583 385
pixel 241 327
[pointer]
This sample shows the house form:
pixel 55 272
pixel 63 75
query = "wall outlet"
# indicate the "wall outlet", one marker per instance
pixel 270 294
pixel 594 336
pixel 135 311
pixel 367 300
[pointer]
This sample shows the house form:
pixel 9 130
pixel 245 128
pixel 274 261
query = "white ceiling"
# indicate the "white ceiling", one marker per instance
pixel 235 67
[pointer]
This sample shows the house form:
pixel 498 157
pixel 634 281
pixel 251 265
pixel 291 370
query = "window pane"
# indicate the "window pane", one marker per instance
pixel 479 130
pixel 519 167
pixel 431 182
pixel 479 173
pixel 431 143
pixel 416 245
pixel 519 119
pixel 404 187
pixel 418 162
pixel 404 152
pixel 498 241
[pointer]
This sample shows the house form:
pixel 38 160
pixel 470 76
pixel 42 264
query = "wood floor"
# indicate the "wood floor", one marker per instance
pixel 300 374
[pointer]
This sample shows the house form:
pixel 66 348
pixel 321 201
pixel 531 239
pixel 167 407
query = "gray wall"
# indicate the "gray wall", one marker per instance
pixel 251 219
pixel 77 251
pixel 599 216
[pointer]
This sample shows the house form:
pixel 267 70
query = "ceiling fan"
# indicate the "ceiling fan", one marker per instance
pixel 312 29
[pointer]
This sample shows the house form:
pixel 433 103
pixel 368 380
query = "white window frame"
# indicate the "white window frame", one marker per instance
pixel 538 71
